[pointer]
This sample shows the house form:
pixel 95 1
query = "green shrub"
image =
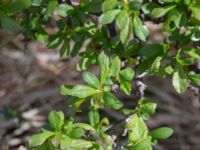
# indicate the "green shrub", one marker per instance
pixel 111 34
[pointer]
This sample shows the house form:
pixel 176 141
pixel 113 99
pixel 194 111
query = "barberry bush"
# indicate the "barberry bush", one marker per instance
pixel 113 36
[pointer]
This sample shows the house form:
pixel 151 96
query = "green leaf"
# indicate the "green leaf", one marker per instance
pixel 36 2
pixel 156 64
pixel 55 140
pixel 137 128
pixel 44 146
pixel 179 80
pixel 65 50
pixel 55 41
pixel 187 2
pixel 161 133
pixel 41 35
pixel 94 116
pixel 127 74
pixel 169 1
pixel 94 7
pixel 51 7
pixel 65 89
pixel 195 78
pixel 115 67
pixel 125 86
pixel 77 46
pixel 109 5
pixel 104 121
pixel 144 144
pixel 125 33
pixel 65 142
pixel 76 103
pixel 195 12
pixel 103 60
pixel 64 9
pixel 147 8
pixel 10 25
pixel 178 17
pixel 135 5
pixel 109 16
pixel 147 108
pixel 111 101
pixel 91 79
pixel 153 50
pixel 40 138
pixel 141 30
pixel 82 91
pixel 122 18
pixel 17 6
pixel 106 138
pixel 161 11
pixel 77 133
pixel 84 126
pixel 56 120
pixel 79 144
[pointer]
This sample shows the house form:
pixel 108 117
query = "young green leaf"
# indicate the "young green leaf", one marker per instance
pixel 103 60
pixel 115 67
pixel 193 52
pixel 65 89
pixel 147 108
pixel 161 11
pixel 122 18
pixel 127 74
pixel 84 126
pixel 94 117
pixel 56 120
pixel 41 35
pixel 109 16
pixel 141 30
pixel 106 138
pixel 125 33
pixel 91 79
pixel 77 133
pixel 125 86
pixel 111 101
pixel 156 64
pixel 161 133
pixel 144 144
pixel 79 144
pixel 137 128
pixel 40 138
pixel 75 103
pixel 65 142
pixel 82 91
pixel 55 140
pixel 179 80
